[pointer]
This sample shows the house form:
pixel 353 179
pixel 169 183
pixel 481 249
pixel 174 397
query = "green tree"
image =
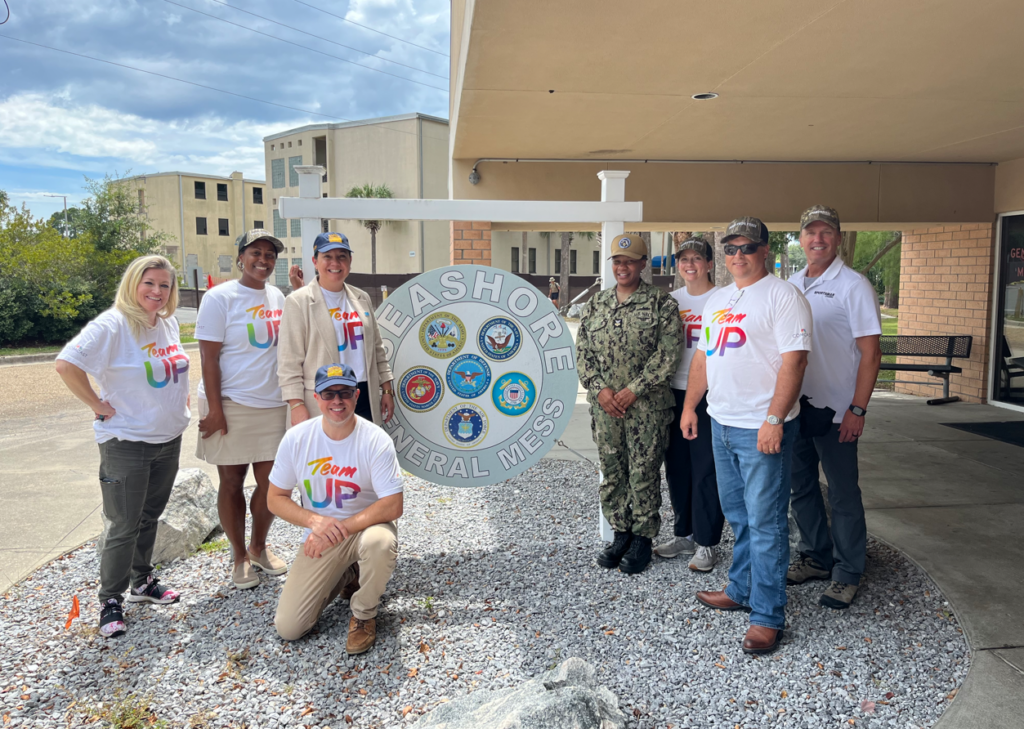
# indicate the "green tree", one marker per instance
pixel 70 224
pixel 375 191
pixel 113 220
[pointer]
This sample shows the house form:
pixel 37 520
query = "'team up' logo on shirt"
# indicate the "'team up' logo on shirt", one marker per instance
pixel 350 332
pixel 334 486
pixel 270 317
pixel 729 337
pixel 174 362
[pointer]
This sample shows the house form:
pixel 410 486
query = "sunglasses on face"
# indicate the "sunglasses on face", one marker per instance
pixel 346 394
pixel 746 249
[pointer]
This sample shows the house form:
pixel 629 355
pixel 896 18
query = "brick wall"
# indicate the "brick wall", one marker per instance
pixel 471 242
pixel 945 288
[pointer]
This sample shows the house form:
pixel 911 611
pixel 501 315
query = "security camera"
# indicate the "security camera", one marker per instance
pixel 474 177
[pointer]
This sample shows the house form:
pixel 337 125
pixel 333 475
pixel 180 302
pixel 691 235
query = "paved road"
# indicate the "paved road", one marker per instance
pixel 49 491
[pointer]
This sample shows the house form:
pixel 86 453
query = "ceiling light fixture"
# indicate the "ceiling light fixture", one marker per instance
pixel 705 97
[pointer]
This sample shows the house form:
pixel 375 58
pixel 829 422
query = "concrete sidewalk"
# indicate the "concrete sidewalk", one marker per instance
pixel 954 503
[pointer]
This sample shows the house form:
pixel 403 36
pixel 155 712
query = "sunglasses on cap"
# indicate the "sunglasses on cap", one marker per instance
pixel 746 249
pixel 346 394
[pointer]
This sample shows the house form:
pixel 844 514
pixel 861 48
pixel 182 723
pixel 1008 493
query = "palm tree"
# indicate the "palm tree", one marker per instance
pixel 376 191
pixel 563 283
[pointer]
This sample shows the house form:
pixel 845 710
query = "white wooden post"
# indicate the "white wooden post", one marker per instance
pixel 310 177
pixel 613 189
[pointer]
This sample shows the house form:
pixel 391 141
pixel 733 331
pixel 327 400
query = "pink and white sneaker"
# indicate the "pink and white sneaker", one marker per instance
pixel 111 619
pixel 152 592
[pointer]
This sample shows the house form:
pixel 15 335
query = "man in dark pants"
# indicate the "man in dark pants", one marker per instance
pixel 841 373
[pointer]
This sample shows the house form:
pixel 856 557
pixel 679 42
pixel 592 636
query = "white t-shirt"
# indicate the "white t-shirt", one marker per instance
pixel 246 322
pixel 349 328
pixel 338 478
pixel 690 310
pixel 746 332
pixel 845 307
pixel 145 381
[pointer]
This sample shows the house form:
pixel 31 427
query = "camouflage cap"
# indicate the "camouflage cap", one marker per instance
pixel 820 212
pixel 751 228
pixel 697 244
pixel 630 245
pixel 247 239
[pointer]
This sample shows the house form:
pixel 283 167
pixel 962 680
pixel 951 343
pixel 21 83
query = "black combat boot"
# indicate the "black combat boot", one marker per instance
pixel 612 554
pixel 637 557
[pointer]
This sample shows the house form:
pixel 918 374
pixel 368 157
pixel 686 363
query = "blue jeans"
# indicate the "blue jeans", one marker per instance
pixel 754 489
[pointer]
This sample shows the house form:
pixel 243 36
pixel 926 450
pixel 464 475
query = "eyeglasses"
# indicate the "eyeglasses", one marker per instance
pixel 346 394
pixel 746 249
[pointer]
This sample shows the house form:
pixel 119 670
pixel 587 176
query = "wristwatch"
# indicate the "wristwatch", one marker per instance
pixel 859 412
pixel 773 420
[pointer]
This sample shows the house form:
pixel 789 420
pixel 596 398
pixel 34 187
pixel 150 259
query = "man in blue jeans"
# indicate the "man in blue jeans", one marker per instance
pixel 750 361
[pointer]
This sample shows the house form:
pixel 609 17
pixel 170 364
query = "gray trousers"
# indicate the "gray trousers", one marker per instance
pixel 843 550
pixel 136 480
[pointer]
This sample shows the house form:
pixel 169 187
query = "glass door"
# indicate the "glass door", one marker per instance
pixel 1008 369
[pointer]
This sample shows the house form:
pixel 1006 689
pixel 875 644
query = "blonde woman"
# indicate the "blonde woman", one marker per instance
pixel 133 351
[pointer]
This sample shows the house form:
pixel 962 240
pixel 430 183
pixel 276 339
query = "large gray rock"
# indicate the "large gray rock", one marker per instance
pixel 190 517
pixel 567 697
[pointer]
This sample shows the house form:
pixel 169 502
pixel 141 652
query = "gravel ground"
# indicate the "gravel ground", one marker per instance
pixel 493 586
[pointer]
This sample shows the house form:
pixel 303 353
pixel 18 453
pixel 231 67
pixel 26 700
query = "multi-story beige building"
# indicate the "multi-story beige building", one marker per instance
pixel 203 214
pixel 408 153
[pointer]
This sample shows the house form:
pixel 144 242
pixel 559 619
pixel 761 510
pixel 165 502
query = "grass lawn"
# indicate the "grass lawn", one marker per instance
pixel 187 335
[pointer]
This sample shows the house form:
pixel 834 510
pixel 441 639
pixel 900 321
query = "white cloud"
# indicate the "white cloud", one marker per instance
pixel 49 130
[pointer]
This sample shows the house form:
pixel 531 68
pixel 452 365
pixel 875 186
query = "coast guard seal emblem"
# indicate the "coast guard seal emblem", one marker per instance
pixel 513 393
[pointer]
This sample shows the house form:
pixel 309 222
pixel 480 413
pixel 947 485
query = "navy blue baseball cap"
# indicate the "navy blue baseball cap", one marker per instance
pixel 334 374
pixel 329 242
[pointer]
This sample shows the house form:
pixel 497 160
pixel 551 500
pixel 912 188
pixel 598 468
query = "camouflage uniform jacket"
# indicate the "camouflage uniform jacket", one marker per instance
pixel 635 344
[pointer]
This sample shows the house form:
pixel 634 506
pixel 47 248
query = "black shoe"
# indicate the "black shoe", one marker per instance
pixel 612 554
pixel 637 557
pixel 111 619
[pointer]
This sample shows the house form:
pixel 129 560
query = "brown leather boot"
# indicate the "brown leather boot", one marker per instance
pixel 760 640
pixel 720 601
pixel 361 635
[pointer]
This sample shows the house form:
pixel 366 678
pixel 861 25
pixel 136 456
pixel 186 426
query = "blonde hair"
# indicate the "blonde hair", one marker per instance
pixel 126 300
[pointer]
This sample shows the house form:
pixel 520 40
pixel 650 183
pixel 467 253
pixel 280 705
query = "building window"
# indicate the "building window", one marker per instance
pixel 222 226
pixel 532 262
pixel 200 226
pixel 200 191
pixel 289 145
pixel 224 264
pixel 296 228
pixel 281 272
pixel 222 191
pixel 597 262
pixel 280 226
pixel 572 261
pixel 258 224
pixel 277 173
pixel 325 225
pixel 299 142
pixel 257 196
pixel 293 176
pixel 271 147
pixel 558 262
pixel 515 259
pixel 142 201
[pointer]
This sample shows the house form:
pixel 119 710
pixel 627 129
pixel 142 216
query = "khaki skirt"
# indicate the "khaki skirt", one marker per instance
pixel 253 435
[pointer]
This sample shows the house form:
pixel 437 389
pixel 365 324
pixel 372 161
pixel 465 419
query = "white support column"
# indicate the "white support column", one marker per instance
pixel 310 178
pixel 613 189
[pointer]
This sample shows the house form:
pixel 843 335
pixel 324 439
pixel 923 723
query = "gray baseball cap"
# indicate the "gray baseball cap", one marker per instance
pixel 751 228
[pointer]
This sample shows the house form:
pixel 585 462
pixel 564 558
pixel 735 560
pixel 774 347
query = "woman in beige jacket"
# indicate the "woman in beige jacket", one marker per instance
pixel 328 322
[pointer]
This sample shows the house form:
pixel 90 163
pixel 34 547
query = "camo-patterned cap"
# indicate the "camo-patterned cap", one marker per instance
pixel 820 212
pixel 751 228
pixel 247 239
pixel 697 244
pixel 630 245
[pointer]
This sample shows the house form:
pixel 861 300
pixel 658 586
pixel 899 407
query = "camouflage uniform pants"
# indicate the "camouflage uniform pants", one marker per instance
pixel 631 451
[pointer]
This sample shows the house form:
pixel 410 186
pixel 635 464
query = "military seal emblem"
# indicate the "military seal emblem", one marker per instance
pixel 513 393
pixel 420 389
pixel 465 425
pixel 469 375
pixel 442 335
pixel 500 338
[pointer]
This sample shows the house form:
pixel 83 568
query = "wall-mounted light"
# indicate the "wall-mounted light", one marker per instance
pixel 705 96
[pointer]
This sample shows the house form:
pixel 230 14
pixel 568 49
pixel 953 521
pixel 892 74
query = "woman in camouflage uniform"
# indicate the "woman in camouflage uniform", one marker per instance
pixel 627 348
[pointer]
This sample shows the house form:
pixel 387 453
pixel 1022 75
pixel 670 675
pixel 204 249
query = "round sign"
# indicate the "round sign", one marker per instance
pixel 474 349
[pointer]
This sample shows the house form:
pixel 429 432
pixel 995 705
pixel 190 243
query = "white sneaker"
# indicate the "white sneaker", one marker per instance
pixel 704 560
pixel 675 546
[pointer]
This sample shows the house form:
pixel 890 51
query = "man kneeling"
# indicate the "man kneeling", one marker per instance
pixel 351 497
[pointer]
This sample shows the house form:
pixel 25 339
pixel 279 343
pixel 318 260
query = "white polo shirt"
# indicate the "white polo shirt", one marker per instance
pixel 845 307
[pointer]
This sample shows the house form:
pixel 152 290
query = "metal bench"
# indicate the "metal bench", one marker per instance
pixel 914 346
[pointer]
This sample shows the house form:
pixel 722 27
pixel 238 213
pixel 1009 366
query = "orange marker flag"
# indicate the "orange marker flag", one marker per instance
pixel 75 612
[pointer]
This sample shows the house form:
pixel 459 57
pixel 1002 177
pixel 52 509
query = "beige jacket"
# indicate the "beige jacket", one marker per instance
pixel 308 341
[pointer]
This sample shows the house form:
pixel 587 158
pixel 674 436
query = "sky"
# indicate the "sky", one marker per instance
pixel 65 117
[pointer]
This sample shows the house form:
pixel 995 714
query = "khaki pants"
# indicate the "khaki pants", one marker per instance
pixel 313 584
